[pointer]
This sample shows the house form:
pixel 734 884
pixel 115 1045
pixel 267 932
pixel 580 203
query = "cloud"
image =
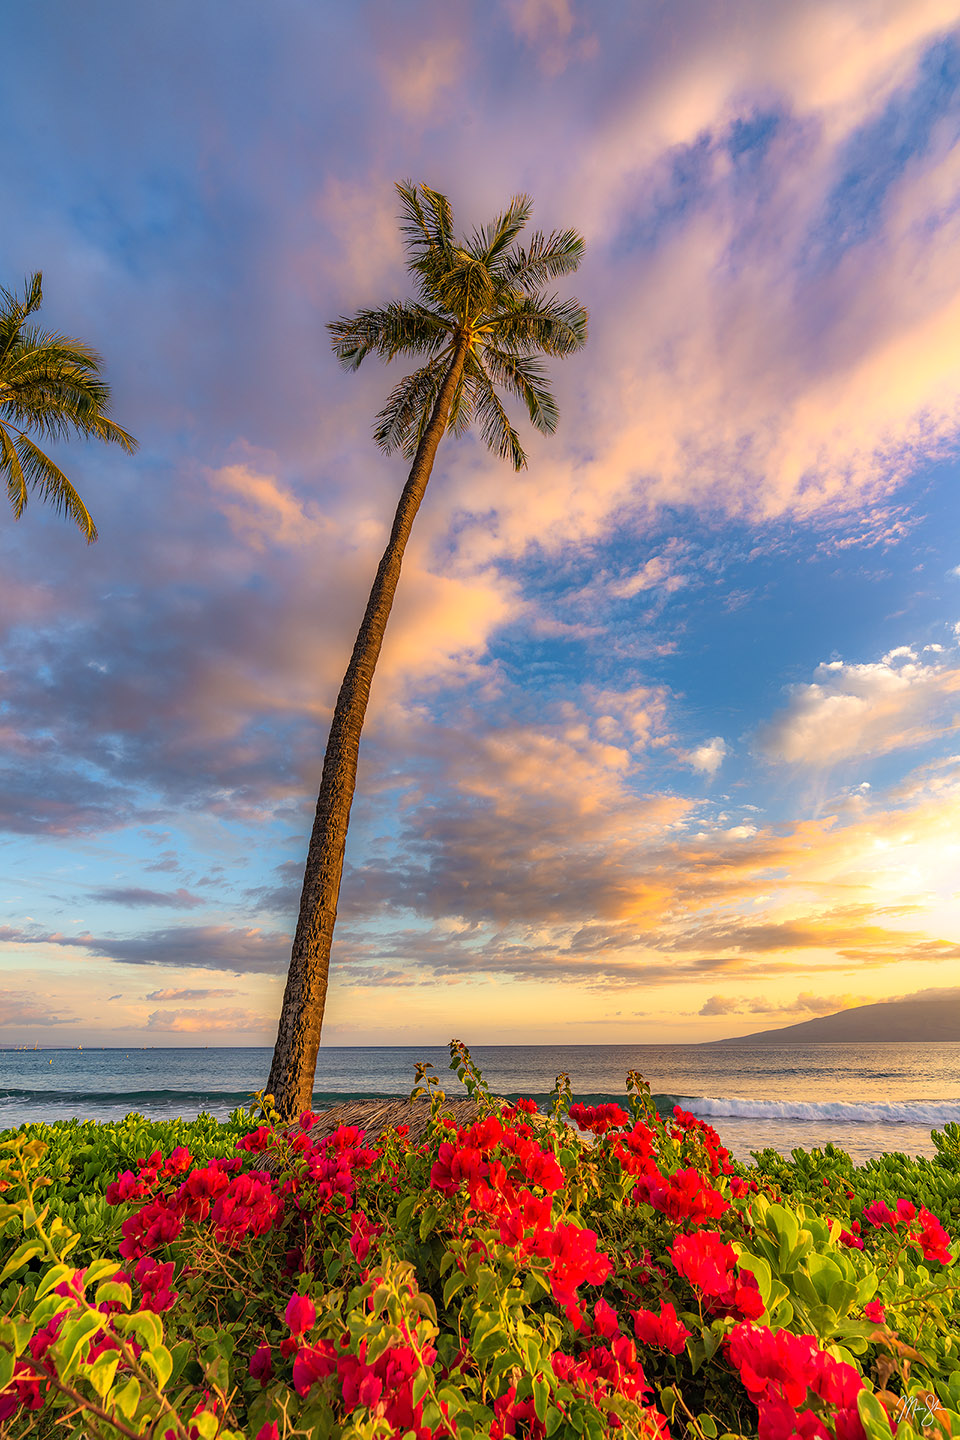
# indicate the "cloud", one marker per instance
pixel 21 1011
pixel 136 898
pixel 707 757
pixel 852 711
pixel 198 1022
pixel 805 1003
pixel 180 994
pixel 202 947
pixel 655 573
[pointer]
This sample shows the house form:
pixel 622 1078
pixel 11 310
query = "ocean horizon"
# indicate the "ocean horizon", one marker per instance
pixel 867 1099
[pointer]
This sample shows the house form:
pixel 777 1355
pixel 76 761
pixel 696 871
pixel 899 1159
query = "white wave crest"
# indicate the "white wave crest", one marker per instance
pixel 930 1113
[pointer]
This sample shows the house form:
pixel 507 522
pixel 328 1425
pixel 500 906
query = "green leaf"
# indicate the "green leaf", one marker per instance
pixel 144 1324
pixel 161 1362
pixel 72 1337
pixel 52 1278
pixel 7 1363
pixel 378 1343
pixel 873 1417
pixel 451 1397
pixel 126 1400
pixel 553 1421
pixel 453 1286
pixel 20 1257
pixel 421 1384
pixel 428 1221
pixel 101 1372
pixel 114 1291
pixel 100 1270
pixel 405 1210
pixel 541 1398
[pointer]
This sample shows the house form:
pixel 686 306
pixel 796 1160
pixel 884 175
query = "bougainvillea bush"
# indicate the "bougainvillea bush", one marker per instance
pixel 514 1277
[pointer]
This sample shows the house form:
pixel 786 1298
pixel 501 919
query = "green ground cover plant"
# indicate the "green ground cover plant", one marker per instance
pixel 207 1281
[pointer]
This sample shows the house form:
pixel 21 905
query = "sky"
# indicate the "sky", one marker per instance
pixel 663 744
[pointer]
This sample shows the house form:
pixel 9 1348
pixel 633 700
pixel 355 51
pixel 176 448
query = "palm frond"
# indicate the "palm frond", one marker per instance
pixel 14 311
pixel 464 287
pixel 461 407
pixel 491 240
pixel 11 467
pixel 400 327
pixel 495 428
pixel 548 257
pixel 557 327
pixel 426 218
pixel 404 417
pixel 42 474
pixel 526 378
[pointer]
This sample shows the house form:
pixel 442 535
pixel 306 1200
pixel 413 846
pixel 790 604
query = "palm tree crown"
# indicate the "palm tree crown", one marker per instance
pixel 490 291
pixel 51 385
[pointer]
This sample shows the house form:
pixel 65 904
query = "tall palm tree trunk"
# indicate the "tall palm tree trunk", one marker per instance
pixel 301 1018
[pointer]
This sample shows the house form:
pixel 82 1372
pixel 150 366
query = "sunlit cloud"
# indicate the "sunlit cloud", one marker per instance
pixel 901 701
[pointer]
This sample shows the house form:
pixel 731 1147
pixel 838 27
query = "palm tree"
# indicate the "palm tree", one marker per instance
pixel 479 322
pixel 51 385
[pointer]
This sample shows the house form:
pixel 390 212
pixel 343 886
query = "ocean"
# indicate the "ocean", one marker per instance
pixel 865 1098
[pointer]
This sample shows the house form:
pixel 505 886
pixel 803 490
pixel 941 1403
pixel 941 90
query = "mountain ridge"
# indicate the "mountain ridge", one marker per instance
pixel 900 1020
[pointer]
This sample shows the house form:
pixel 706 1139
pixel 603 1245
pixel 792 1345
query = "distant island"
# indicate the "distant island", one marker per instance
pixel 903 1020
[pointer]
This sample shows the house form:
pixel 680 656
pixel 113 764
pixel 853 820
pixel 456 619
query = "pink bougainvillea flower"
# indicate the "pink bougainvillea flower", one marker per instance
pixel 875 1311
pixel 313 1363
pixel 300 1314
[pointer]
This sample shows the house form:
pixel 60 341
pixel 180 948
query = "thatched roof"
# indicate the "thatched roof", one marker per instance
pixel 378 1116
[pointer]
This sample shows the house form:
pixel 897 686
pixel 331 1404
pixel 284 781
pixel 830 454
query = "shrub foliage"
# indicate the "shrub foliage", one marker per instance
pixel 513 1277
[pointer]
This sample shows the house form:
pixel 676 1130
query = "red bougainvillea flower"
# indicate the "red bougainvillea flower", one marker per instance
pixel 599 1118
pixel 880 1214
pixel 777 1420
pixel 452 1166
pixel 508 1413
pixel 778 1368
pixel 261 1364
pixel 268 1431
pixel 682 1196
pixel 362 1234
pixel 605 1321
pixel 663 1331
pixel 257 1140
pixel 300 1314
pixel 313 1363
pixel 710 1264
pixel 875 1311
pixel 932 1238
pixel 154 1280
pixel 852 1237
pixel 574 1260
